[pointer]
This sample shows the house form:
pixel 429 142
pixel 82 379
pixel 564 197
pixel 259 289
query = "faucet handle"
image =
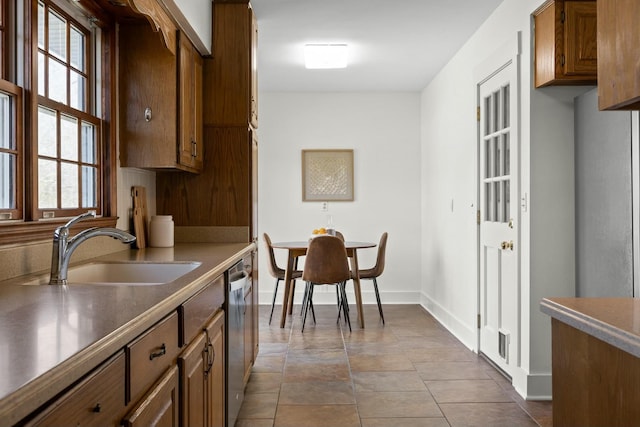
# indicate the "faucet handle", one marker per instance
pixel 72 221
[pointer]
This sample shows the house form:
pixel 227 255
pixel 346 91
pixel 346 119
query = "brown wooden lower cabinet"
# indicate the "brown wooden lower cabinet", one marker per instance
pixel 202 377
pixel 98 400
pixel 160 406
pixel 594 383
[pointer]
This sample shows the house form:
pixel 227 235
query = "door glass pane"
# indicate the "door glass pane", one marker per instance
pixel 88 135
pixel 46 132
pixel 496 156
pixel 487 116
pixel 57 36
pixel 89 185
pixel 496 112
pixel 7 181
pixel 497 200
pixel 487 158
pixel 506 213
pixel 57 81
pixel 507 154
pixel 69 185
pixel 47 184
pixel 505 102
pixel 68 138
pixel 488 214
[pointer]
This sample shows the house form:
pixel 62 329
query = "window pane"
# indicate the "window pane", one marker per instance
pixel 57 81
pixel 77 49
pixel 88 143
pixel 6 140
pixel 78 84
pixel 41 74
pixel 47 184
pixel 69 185
pixel 41 25
pixel 7 181
pixel 68 138
pixel 89 185
pixel 46 132
pixel 57 36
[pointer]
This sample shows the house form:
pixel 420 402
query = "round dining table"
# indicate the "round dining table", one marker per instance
pixel 297 249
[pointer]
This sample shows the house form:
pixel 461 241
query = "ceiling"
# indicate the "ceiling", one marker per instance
pixel 396 46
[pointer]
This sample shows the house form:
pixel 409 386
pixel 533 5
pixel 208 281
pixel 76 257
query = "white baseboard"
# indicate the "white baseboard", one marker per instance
pixel 467 335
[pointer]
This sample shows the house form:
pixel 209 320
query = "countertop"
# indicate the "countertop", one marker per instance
pixel 615 321
pixel 50 336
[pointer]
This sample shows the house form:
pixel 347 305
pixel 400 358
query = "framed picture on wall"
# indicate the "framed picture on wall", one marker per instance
pixel 327 175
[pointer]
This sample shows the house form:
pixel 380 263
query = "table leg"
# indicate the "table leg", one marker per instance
pixel 287 288
pixel 356 286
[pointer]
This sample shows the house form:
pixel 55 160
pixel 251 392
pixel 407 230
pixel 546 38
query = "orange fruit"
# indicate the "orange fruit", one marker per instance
pixel 322 231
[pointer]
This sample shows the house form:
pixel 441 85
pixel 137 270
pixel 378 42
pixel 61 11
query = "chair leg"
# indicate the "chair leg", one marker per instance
pixel 345 303
pixel 273 303
pixel 308 304
pixel 375 287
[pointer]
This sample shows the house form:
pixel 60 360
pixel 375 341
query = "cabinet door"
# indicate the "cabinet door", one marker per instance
pixel 160 405
pixel 565 43
pixel 254 69
pixel 190 92
pixel 618 65
pixel 97 400
pixel 215 375
pixel 193 363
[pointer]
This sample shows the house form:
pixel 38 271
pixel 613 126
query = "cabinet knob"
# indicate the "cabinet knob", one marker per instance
pixel 147 114
pixel 161 351
pixel 96 408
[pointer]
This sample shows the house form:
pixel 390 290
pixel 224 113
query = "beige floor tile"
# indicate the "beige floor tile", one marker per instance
pixel 317 416
pixel 254 423
pixel 380 363
pixel 396 405
pixel 445 354
pixel 486 415
pixel 405 422
pixel 451 371
pixel 319 372
pixel 468 391
pixel 273 364
pixel 264 382
pixel 259 405
pixel 317 393
pixel 388 381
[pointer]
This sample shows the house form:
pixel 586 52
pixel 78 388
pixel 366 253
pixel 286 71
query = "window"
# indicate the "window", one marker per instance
pixel 54 158
pixel 67 131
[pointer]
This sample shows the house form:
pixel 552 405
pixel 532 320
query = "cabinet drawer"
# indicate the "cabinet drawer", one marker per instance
pixel 150 355
pixel 98 400
pixel 199 308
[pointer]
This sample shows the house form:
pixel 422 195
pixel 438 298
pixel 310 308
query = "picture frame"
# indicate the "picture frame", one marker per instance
pixel 327 175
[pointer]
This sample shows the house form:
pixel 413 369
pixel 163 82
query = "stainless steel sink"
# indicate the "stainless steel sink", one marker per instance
pixel 124 273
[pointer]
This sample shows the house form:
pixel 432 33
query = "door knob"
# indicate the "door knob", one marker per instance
pixel 507 245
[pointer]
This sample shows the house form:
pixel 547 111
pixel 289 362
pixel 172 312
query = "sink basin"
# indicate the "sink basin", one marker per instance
pixel 125 273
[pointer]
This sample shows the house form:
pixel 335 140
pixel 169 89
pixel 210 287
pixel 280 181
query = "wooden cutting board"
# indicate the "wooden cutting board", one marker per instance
pixel 139 195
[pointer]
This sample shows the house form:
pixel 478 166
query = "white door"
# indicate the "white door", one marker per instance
pixel 499 297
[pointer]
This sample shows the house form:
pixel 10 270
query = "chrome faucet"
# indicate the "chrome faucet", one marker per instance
pixel 63 246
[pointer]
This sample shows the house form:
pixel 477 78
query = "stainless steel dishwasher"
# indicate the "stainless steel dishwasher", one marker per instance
pixel 237 280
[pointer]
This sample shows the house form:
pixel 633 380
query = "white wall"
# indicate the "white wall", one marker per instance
pixel 449 168
pixel 383 131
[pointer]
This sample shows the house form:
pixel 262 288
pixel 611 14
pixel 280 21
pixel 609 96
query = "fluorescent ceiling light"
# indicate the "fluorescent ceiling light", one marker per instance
pixel 325 55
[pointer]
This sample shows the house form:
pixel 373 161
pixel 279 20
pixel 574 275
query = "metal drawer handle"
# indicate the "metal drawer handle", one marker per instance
pixel 161 352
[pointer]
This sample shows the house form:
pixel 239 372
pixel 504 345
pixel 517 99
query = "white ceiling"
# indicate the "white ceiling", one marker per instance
pixel 394 45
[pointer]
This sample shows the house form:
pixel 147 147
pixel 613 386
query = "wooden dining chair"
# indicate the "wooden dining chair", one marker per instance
pixel 277 272
pixel 375 272
pixel 326 264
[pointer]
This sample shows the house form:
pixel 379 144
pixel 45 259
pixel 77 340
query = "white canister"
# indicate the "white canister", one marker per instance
pixel 161 231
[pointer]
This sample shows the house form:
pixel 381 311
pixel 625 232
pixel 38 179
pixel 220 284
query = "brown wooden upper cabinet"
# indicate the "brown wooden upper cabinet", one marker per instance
pixel 618 55
pixel 231 83
pixel 565 43
pixel 160 101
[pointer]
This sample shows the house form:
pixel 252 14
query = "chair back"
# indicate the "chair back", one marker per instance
pixel 340 236
pixel 274 270
pixel 382 249
pixel 326 261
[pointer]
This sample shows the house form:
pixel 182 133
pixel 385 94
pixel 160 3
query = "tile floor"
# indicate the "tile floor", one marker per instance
pixel 409 373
